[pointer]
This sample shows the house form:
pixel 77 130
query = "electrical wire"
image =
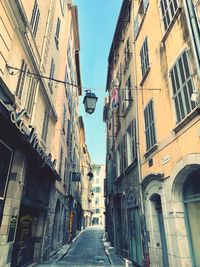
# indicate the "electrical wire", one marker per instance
pixel 75 85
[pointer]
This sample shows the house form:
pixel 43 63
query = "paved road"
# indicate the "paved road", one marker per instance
pixel 88 250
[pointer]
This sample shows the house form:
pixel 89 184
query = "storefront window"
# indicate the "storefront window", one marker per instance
pixel 192 205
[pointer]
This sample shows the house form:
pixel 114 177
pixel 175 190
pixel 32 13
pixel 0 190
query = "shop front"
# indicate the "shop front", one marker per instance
pixel 27 175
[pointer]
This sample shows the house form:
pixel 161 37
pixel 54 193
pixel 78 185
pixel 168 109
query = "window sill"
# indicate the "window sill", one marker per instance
pixel 151 150
pixel 145 75
pixel 167 32
pixel 186 120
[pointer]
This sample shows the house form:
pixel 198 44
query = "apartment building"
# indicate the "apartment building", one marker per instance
pixel 98 201
pixel 39 139
pixel 122 184
pixel 166 82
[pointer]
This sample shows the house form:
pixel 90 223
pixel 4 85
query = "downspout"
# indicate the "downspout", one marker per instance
pixel 194 31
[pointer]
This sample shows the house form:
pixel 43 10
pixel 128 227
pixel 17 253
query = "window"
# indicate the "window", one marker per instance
pixel 30 95
pixel 51 75
pixel 96 189
pixel 128 88
pixel 64 119
pixel 65 173
pixel 140 17
pixel 61 162
pixel 57 32
pixel 97 201
pixel 182 85
pixel 68 132
pixel 144 58
pixel 63 4
pixel 97 211
pixel 131 142
pixel 191 194
pixel 123 154
pixel 45 126
pixel 149 125
pixel 118 163
pixel 127 54
pixel 168 9
pixel 35 18
pixel 21 81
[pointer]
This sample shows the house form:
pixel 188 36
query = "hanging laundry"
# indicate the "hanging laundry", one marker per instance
pixel 115 97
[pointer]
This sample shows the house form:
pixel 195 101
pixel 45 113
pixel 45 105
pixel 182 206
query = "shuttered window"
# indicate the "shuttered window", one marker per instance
pixel 51 75
pixel 61 162
pixel 30 95
pixel 64 119
pixel 57 32
pixel 21 80
pixel 149 125
pixel 131 142
pixel 182 85
pixel 45 126
pixel 35 18
pixel 144 57
pixel 128 88
pixel 168 9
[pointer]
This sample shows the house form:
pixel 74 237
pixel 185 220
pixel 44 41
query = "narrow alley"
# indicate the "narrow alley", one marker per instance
pixel 89 249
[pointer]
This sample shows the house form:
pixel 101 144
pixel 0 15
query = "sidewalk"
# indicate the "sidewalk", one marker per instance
pixel 60 253
pixel 115 259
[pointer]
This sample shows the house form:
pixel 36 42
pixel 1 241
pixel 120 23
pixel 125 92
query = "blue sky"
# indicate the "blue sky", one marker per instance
pixel 97 21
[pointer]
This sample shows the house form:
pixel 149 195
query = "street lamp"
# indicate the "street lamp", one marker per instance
pixel 90 101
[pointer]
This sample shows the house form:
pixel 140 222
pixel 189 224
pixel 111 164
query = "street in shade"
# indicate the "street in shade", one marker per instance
pixel 89 249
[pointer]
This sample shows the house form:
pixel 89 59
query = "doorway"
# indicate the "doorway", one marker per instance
pixel 25 237
pixel 156 199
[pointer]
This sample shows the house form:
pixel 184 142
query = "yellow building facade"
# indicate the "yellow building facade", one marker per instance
pixel 40 85
pixel 166 79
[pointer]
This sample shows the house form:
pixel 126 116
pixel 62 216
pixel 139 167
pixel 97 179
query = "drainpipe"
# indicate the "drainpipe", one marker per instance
pixel 194 31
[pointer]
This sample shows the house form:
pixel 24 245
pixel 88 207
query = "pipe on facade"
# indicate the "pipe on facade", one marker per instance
pixel 194 31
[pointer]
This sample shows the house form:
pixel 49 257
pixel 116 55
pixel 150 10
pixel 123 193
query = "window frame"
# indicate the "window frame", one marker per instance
pixel 22 80
pixel 51 75
pixel 45 125
pixel 144 60
pixel 179 93
pixel 150 129
pixel 57 33
pixel 35 18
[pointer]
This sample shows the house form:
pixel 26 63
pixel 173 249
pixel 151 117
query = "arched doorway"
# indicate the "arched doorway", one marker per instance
pixel 158 226
pixel 56 226
pixel 134 229
pixel 191 197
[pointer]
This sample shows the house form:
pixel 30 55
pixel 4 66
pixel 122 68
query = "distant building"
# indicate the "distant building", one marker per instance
pixel 98 201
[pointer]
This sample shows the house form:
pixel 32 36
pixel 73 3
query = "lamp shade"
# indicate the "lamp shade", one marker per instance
pixel 89 102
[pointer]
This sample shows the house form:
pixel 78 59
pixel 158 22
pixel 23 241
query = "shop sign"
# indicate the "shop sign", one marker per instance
pixel 71 217
pixel 32 139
